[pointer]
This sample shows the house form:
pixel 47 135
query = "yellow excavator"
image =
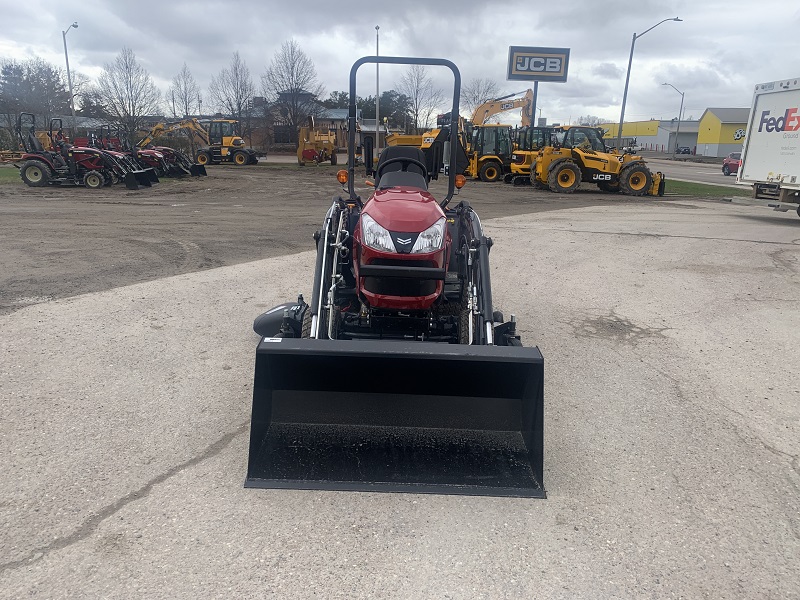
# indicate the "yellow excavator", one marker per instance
pixel 528 141
pixel 218 139
pixel 316 144
pixel 578 154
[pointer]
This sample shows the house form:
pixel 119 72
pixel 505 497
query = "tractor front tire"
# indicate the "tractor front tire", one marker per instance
pixel 240 158
pixel 35 173
pixel 726 170
pixel 333 158
pixel 636 180
pixel 202 158
pixel 94 180
pixel 564 177
pixel 491 171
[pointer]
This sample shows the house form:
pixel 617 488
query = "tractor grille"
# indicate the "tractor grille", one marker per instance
pixel 401 286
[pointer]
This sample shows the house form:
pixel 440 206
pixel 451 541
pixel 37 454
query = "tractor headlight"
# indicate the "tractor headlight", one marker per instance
pixel 375 236
pixel 431 239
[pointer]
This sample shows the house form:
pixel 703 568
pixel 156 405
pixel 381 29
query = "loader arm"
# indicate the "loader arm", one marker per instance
pixel 503 104
pixel 160 129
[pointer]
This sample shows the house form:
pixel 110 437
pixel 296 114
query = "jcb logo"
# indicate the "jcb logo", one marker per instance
pixel 538 64
pixel 551 64
pixel 601 177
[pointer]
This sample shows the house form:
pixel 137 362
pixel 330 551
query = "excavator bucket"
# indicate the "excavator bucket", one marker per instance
pixel 198 170
pixel 397 416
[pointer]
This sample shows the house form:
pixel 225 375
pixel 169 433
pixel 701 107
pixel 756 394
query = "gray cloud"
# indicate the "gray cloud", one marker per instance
pixel 716 55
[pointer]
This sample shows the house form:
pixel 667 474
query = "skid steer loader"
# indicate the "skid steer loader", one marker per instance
pixel 399 375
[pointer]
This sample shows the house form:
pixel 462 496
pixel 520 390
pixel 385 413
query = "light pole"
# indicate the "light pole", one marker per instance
pixel 69 77
pixel 377 93
pixel 628 77
pixel 680 110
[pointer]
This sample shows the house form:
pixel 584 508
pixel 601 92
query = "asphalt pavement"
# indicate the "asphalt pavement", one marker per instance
pixel 671 453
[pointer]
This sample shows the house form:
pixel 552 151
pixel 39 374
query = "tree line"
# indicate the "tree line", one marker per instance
pixel 126 97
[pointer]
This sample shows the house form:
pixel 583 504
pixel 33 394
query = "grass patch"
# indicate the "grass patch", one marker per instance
pixel 700 190
pixel 9 174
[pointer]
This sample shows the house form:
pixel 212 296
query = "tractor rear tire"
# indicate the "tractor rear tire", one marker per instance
pixel 636 180
pixel 35 173
pixel 240 158
pixel 491 171
pixel 94 180
pixel 564 177
pixel 202 158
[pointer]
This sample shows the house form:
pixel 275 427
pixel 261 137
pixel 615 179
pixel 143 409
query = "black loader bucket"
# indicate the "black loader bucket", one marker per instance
pixel 197 170
pixel 142 178
pixel 131 182
pixel 152 175
pixel 397 416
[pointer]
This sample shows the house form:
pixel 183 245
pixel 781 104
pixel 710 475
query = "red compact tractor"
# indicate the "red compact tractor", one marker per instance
pixel 64 164
pixel 400 375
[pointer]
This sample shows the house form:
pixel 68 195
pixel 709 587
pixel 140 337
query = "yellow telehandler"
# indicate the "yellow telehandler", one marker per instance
pixel 578 154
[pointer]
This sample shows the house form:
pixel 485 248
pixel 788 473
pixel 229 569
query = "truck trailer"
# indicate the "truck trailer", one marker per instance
pixel 771 151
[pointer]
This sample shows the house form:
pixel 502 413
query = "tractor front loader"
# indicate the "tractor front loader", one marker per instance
pixel 399 375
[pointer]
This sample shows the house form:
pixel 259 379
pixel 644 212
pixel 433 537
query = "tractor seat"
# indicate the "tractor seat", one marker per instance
pixel 394 175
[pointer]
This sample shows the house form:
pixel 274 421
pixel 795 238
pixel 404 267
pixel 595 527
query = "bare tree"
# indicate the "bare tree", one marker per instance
pixel 127 93
pixel 290 84
pixel 232 92
pixel 424 98
pixel 590 121
pixel 476 92
pixel 183 95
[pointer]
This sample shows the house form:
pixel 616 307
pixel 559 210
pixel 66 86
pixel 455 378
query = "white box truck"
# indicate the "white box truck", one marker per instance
pixel 771 151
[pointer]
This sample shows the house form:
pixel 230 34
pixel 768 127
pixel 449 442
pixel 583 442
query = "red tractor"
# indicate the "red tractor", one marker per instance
pixel 64 164
pixel 400 375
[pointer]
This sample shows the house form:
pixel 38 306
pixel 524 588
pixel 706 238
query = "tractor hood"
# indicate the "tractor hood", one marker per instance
pixel 403 209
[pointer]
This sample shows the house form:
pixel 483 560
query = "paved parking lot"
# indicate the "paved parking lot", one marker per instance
pixel 671 452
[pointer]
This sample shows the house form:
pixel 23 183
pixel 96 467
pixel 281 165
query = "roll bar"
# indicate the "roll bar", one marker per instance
pixel 351 119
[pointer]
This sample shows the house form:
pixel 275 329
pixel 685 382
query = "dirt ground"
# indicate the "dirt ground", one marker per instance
pixel 58 242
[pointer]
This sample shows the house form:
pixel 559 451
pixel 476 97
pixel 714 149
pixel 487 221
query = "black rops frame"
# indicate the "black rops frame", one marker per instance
pixel 351 120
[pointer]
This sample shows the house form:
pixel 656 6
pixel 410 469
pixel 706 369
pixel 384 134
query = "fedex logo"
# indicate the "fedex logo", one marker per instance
pixel 790 121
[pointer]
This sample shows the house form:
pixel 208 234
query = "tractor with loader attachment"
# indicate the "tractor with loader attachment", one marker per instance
pixel 400 374
pixel 578 154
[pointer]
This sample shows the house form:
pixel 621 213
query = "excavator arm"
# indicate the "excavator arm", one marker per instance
pixel 160 129
pixel 504 103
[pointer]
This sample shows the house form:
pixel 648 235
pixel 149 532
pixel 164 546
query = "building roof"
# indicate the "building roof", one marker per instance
pixel 369 125
pixel 729 115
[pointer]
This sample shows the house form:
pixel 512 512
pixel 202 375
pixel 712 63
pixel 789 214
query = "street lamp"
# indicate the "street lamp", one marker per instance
pixel 377 94
pixel 69 77
pixel 628 77
pixel 680 110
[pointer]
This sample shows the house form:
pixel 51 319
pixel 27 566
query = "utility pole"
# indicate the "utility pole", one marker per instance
pixel 69 78
pixel 377 94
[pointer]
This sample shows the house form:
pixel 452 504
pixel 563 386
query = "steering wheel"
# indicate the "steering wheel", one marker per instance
pixel 407 162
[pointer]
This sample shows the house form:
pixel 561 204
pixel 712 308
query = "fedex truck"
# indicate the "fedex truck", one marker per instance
pixel 771 151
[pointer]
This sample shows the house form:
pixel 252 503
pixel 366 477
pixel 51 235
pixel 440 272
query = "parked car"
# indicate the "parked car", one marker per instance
pixel 731 163
pixel 683 150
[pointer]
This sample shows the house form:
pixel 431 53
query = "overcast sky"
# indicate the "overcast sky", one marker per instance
pixel 716 55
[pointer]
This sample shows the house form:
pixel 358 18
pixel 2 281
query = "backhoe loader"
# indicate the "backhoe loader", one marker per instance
pixel 400 374
pixel 218 140
pixel 578 154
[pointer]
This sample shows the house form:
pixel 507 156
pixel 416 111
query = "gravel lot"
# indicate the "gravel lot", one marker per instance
pixel 671 453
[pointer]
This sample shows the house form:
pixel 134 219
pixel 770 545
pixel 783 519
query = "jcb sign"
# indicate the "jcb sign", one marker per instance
pixel 538 64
